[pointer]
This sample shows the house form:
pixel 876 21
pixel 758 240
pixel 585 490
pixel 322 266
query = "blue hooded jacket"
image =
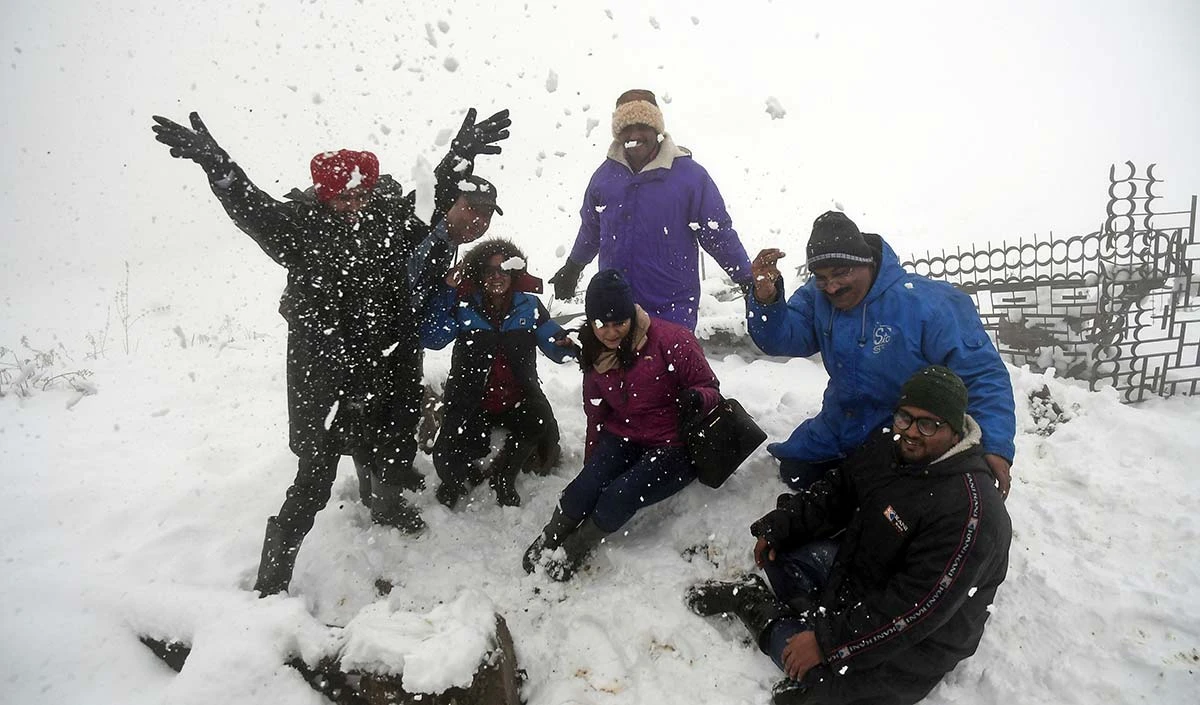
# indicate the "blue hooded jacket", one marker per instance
pixel 904 323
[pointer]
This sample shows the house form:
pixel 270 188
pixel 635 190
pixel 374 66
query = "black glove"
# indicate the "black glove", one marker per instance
pixel 774 528
pixel 475 139
pixel 691 405
pixel 566 279
pixel 195 144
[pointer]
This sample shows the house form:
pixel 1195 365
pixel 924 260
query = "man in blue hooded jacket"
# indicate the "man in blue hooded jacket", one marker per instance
pixel 646 212
pixel 875 325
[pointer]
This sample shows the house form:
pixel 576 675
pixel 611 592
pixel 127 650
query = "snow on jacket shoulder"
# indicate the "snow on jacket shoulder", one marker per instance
pixel 648 226
pixel 906 322
pixel 641 403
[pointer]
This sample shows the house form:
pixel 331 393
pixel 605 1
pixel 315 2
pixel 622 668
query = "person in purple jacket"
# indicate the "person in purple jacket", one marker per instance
pixel 645 211
pixel 643 378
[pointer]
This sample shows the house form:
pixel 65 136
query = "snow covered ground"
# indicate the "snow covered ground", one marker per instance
pixel 140 508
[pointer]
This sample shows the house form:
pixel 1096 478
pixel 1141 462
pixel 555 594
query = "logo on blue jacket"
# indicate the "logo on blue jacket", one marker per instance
pixel 882 337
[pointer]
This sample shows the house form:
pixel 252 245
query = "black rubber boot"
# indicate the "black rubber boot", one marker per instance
pixel 364 481
pixel 504 479
pixel 557 530
pixel 579 547
pixel 749 598
pixel 389 508
pixel 278 559
pixel 789 692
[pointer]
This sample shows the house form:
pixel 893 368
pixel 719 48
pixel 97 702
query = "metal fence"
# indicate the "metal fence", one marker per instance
pixel 1119 307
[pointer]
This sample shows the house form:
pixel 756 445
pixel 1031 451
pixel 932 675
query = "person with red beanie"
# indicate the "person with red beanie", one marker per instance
pixel 361 267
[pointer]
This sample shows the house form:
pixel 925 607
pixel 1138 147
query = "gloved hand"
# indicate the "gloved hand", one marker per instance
pixel 475 139
pixel 774 527
pixel 691 405
pixel 566 279
pixel 195 144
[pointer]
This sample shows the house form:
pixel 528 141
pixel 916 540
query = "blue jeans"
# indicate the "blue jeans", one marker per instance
pixel 621 477
pixel 799 572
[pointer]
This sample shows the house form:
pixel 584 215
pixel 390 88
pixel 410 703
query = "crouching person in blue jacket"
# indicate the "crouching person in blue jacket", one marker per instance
pixel 487 308
pixel 874 325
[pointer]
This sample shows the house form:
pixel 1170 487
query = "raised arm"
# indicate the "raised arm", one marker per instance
pixel 473 139
pixel 269 222
pixel 778 328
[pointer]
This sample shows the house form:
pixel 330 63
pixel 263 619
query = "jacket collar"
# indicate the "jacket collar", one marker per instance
pixel 608 360
pixel 668 152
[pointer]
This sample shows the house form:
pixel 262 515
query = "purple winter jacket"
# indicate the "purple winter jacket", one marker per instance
pixel 641 403
pixel 648 226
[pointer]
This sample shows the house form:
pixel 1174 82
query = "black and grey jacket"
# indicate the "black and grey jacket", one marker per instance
pixel 922 551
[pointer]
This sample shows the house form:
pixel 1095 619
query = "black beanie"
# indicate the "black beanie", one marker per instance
pixel 836 242
pixel 939 391
pixel 609 297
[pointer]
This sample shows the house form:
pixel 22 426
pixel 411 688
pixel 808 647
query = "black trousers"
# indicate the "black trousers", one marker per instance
pixel 530 424
pixel 385 453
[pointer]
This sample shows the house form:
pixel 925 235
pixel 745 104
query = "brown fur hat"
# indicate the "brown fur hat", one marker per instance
pixel 637 107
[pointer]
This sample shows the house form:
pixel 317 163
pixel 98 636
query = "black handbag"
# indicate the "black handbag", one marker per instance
pixel 721 441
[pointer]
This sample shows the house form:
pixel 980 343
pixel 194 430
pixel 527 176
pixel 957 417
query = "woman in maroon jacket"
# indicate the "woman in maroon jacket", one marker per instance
pixel 642 377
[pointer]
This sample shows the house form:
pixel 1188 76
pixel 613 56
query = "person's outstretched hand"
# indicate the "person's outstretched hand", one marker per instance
pixel 765 272
pixel 475 138
pixel 195 144
pixel 566 279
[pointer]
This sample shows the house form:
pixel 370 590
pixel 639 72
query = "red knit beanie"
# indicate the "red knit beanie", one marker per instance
pixel 336 172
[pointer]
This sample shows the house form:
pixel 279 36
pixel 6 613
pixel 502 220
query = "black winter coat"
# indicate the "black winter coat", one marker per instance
pixel 922 553
pixel 353 329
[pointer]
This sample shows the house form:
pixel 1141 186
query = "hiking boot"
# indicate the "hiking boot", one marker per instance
pixel 505 488
pixel 504 479
pixel 278 559
pixel 557 529
pixel 390 508
pixel 578 547
pixel 749 598
pixel 724 597
pixel 788 692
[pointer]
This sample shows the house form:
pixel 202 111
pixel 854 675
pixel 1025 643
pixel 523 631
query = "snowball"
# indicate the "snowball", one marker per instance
pixel 774 108
pixel 552 82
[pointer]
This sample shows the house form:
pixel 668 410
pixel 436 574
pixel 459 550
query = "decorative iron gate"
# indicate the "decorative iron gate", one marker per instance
pixel 1119 307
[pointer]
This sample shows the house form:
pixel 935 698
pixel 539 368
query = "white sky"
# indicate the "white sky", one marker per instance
pixel 931 123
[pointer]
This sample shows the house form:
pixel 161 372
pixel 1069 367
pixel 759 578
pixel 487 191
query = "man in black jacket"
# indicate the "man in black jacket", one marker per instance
pixel 361 266
pixel 882 573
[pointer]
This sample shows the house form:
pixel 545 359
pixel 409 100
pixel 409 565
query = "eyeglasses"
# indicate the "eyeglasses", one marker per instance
pixel 495 271
pixel 926 425
pixel 838 276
